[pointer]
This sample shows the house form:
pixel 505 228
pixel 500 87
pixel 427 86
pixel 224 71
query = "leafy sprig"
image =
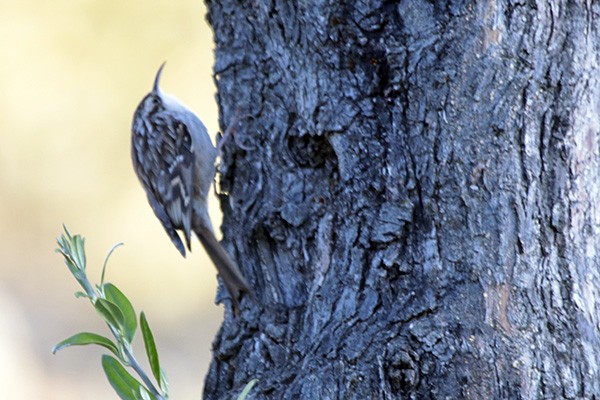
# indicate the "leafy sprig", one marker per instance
pixel 120 317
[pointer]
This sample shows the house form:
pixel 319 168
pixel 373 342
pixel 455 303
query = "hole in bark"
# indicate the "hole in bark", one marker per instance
pixel 309 151
pixel 402 372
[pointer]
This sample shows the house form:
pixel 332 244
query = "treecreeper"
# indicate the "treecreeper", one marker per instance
pixel 174 159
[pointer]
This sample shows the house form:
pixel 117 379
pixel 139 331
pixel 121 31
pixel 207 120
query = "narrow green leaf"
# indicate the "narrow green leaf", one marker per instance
pixel 145 395
pixel 116 297
pixel 106 261
pixel 164 383
pixel 79 251
pixel 73 251
pixel 69 262
pixel 60 242
pixel 126 386
pixel 85 338
pixel 67 232
pixel 110 312
pixel 247 389
pixel 63 240
pixel 150 348
pixel 80 294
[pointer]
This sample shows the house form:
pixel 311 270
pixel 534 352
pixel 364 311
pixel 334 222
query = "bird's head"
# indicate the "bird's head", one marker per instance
pixel 153 101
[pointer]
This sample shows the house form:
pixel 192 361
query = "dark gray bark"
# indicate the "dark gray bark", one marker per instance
pixel 414 199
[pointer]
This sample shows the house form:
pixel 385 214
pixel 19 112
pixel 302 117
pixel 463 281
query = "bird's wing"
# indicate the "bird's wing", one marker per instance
pixel 161 214
pixel 168 174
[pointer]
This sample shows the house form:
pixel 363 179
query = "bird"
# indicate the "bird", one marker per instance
pixel 174 160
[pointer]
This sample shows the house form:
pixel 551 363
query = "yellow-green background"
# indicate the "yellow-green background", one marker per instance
pixel 71 75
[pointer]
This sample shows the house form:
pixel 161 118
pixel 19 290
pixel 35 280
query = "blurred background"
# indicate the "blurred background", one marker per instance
pixel 71 75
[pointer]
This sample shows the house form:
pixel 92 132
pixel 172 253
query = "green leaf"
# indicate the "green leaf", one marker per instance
pixel 85 338
pixel 145 395
pixel 78 250
pixel 164 383
pixel 126 386
pixel 67 232
pixel 70 263
pixel 247 389
pixel 111 313
pixel 106 261
pixel 116 297
pixel 151 350
pixel 80 294
pixel 72 250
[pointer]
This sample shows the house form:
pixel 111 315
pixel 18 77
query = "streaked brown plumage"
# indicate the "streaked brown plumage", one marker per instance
pixel 174 160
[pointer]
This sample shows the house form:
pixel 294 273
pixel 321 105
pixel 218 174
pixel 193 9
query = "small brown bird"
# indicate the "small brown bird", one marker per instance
pixel 174 160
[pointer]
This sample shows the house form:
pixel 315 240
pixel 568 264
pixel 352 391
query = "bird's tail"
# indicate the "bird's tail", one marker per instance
pixel 230 273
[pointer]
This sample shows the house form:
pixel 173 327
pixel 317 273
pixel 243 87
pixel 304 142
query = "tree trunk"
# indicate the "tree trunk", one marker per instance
pixel 414 196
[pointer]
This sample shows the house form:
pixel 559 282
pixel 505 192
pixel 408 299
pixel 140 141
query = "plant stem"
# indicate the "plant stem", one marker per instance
pixel 137 367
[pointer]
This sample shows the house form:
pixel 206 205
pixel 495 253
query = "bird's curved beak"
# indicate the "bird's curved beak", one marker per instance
pixel 155 89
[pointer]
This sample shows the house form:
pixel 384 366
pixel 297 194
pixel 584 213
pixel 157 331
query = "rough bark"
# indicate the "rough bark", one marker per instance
pixel 414 198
